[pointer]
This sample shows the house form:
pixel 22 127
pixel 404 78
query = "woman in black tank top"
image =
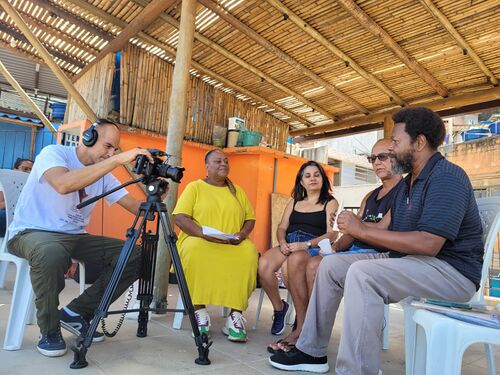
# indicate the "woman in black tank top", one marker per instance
pixel 303 225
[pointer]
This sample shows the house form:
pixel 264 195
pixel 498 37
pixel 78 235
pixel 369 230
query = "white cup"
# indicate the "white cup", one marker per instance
pixel 325 246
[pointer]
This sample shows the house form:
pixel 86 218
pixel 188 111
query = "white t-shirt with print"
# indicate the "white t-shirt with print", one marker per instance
pixel 41 207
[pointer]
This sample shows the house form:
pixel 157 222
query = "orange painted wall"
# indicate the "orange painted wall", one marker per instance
pixel 252 168
pixel 117 219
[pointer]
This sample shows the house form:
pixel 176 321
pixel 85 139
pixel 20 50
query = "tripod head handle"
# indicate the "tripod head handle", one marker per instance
pixel 97 197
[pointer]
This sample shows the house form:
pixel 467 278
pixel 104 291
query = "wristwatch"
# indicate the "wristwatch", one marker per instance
pixel 308 244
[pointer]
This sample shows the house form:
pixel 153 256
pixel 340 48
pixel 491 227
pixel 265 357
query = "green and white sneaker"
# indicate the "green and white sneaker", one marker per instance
pixel 203 320
pixel 234 328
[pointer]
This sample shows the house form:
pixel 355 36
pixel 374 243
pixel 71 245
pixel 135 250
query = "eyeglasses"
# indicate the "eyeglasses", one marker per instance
pixel 382 157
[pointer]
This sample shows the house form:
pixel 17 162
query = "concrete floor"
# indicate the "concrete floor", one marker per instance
pixel 169 351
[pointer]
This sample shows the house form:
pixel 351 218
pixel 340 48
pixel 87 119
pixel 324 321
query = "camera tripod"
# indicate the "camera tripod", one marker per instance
pixel 149 210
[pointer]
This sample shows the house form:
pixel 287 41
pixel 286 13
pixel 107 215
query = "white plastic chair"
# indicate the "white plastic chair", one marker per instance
pixel 259 308
pixel 11 183
pixel 434 343
pixel 22 309
pixel 441 341
pixel 385 329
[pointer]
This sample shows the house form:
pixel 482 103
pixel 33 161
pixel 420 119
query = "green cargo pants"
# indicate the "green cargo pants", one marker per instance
pixel 49 255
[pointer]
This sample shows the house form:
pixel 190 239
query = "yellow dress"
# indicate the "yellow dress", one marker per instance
pixel 217 274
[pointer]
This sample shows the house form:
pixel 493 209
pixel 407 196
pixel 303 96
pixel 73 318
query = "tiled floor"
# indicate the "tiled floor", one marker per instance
pixel 169 351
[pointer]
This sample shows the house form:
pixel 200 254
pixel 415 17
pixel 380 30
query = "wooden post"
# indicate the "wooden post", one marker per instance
pixel 32 144
pixel 80 101
pixel 388 126
pixel 26 98
pixel 241 62
pixel 175 133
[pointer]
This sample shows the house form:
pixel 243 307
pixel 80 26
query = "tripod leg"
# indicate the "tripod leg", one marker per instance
pixel 83 343
pixel 201 340
pixel 146 280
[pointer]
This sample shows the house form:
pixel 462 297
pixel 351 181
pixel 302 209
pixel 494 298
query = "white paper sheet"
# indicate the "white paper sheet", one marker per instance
pixel 212 232
pixel 339 210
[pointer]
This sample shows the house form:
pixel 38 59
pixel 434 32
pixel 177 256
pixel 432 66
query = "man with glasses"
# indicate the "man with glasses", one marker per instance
pixel 434 235
pixel 374 206
pixel 377 203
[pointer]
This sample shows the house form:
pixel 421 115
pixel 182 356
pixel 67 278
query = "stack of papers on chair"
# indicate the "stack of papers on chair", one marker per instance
pixel 474 315
pixel 212 232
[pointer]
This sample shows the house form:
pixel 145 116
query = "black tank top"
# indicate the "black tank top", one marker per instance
pixel 311 222
pixel 375 209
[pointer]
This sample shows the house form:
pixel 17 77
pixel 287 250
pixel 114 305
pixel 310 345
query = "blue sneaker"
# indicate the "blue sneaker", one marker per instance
pixel 77 325
pixel 279 319
pixel 52 344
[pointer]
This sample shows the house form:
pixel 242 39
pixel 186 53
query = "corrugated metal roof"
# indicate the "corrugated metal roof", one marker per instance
pixel 49 83
pixel 22 118
pixel 12 100
pixel 24 71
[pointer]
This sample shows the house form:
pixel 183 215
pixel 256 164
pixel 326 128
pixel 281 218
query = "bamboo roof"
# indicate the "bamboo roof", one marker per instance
pixel 318 65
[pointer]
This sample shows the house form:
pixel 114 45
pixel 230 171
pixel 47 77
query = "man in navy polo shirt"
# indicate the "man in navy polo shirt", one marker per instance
pixel 434 237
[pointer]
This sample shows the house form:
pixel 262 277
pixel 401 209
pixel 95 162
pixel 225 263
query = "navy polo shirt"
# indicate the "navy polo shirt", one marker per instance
pixel 441 202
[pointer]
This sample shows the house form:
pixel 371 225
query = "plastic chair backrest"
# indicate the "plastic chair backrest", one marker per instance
pixel 489 210
pixel 11 184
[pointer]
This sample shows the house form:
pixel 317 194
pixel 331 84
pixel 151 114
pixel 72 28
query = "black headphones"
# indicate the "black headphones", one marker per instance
pixel 89 136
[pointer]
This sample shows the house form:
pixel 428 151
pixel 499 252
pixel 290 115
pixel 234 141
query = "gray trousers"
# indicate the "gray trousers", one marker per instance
pixel 368 281
pixel 49 255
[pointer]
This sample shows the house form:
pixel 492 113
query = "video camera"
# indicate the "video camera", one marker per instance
pixel 159 168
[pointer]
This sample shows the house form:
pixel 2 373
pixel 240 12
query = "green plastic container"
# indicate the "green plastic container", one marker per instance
pixel 249 138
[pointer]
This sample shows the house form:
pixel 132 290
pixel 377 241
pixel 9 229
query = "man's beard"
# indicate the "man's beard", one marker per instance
pixel 403 164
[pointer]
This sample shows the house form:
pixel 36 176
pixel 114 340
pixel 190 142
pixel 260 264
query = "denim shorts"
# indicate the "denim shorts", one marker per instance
pixel 355 250
pixel 301 236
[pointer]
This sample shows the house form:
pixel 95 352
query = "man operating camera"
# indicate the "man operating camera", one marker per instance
pixel 48 230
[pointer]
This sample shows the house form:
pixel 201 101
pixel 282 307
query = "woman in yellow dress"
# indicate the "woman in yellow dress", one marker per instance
pixel 218 271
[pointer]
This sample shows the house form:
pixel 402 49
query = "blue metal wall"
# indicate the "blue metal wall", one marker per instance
pixel 15 142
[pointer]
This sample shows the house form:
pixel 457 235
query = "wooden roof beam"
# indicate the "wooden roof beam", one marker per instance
pixel 42 51
pixel 75 20
pixel 237 24
pixel 231 56
pixel 141 22
pixel 58 34
pixel 467 49
pixel 53 51
pixel 308 29
pixel 436 105
pixel 369 24
pixel 149 39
